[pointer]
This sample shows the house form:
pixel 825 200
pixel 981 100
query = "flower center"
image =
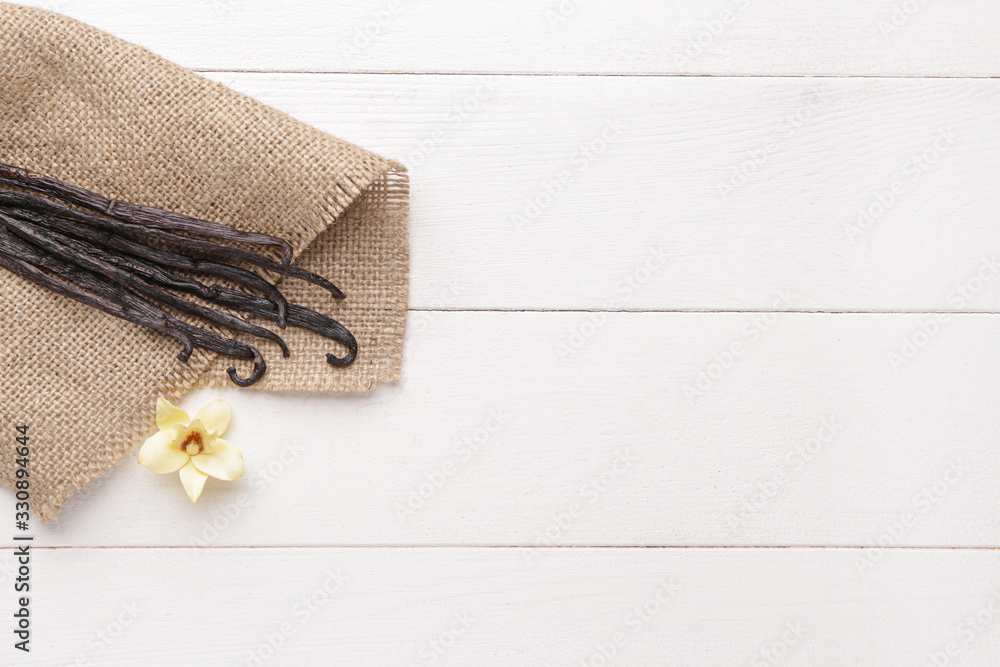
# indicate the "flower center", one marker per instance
pixel 192 444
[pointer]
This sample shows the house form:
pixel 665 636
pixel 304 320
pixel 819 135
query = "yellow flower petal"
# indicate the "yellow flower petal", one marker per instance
pixel 168 416
pixel 215 416
pixel 220 460
pixel 193 481
pixel 160 455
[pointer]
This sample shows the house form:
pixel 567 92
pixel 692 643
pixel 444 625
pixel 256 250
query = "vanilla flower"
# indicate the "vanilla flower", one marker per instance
pixel 193 446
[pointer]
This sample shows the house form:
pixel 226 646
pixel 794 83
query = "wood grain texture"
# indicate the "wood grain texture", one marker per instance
pixel 680 193
pixel 474 606
pixel 886 38
pixel 648 430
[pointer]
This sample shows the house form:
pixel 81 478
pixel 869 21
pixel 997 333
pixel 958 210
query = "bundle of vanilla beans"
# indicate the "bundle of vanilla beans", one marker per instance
pixel 131 261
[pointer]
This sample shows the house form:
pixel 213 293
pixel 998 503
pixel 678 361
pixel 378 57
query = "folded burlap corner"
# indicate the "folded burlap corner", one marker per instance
pixel 88 108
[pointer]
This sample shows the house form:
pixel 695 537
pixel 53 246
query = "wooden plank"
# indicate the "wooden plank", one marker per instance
pixel 854 37
pixel 369 606
pixel 684 193
pixel 607 429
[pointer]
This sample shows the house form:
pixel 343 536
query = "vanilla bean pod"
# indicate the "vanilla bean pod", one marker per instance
pixel 89 257
pixel 209 248
pixel 224 296
pixel 298 316
pixel 117 253
pixel 103 232
pixel 241 255
pixel 131 307
pixel 12 253
pixel 106 260
pixel 145 216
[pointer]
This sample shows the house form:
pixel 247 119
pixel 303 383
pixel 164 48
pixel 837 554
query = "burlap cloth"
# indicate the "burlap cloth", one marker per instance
pixel 85 107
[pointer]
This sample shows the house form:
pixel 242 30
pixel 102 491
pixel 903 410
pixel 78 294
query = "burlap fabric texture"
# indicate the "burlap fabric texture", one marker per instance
pixel 88 108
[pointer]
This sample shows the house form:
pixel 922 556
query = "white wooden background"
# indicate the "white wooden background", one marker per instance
pixel 701 366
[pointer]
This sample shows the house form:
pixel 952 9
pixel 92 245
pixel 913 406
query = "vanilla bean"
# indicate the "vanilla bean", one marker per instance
pixel 224 296
pixel 208 248
pixel 145 216
pixel 117 252
pixel 89 257
pixel 103 232
pixel 83 285
pixel 239 254
pixel 298 316
pixel 11 258
pixel 230 348
pixel 120 258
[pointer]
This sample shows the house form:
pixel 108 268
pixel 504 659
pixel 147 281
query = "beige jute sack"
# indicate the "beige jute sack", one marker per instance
pixel 88 108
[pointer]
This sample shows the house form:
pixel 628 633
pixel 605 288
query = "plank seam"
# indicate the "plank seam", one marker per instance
pixel 670 75
pixel 703 311
pixel 532 546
